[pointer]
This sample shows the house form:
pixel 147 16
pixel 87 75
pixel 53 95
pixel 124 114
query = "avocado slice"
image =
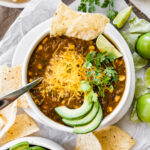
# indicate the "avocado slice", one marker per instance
pixel 35 148
pixel 20 146
pixel 85 120
pixel 92 125
pixel 67 113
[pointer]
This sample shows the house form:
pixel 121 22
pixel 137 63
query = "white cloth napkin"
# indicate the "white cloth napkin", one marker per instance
pixel 36 12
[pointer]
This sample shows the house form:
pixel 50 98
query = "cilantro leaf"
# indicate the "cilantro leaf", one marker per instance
pixel 89 73
pixel 105 80
pixel 101 90
pixel 85 86
pixel 91 9
pixel 92 96
pixel 97 2
pixel 111 14
pixel 87 65
pixel 111 57
pixel 90 56
pixel 111 87
pixel 89 5
pixel 96 81
pixel 82 7
pixel 111 72
pixel 105 3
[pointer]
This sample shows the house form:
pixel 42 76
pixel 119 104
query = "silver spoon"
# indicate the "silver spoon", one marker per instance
pixel 11 97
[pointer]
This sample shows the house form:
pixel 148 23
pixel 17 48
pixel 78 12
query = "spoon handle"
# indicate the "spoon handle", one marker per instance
pixel 11 97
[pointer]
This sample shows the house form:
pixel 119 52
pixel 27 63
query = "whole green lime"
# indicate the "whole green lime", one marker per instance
pixel 143 107
pixel 143 45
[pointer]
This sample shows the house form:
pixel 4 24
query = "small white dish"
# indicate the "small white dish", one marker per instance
pixel 37 141
pixel 13 5
pixel 28 44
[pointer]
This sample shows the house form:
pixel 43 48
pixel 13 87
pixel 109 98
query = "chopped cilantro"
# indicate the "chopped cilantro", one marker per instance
pixel 101 64
pixel 111 87
pixel 111 72
pixel 89 5
pixel 85 86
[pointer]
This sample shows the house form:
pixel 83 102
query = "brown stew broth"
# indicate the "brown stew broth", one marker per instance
pixel 37 67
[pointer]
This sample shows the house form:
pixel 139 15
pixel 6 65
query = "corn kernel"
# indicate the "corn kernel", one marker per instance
pixel 63 102
pixel 40 47
pixel 109 109
pixel 122 78
pixel 71 46
pixel 30 73
pixel 30 80
pixel 117 98
pixel 39 66
pixel 45 40
pixel 91 47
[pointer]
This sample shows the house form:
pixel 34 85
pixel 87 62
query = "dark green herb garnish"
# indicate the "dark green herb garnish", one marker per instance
pixel 89 6
pixel 100 72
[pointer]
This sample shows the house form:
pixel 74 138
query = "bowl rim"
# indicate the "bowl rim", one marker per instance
pixel 39 141
pixel 111 32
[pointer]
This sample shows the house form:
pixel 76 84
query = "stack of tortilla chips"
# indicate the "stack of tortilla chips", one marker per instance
pixel 12 125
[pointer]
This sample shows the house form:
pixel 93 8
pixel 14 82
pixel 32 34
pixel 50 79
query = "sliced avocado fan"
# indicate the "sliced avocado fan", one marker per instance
pixel 105 46
pixel 85 120
pixel 92 125
pixel 20 146
pixel 67 113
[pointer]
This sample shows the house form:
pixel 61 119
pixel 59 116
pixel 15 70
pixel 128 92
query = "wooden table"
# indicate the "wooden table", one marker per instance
pixel 8 16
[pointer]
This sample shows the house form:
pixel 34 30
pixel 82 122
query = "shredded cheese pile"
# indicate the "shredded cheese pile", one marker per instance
pixel 65 73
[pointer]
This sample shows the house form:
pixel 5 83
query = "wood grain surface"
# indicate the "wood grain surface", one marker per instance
pixel 8 16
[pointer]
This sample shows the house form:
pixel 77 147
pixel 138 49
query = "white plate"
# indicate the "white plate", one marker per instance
pixel 34 141
pixel 24 47
pixel 13 5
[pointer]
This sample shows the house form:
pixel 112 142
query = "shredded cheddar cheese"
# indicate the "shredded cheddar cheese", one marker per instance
pixel 65 73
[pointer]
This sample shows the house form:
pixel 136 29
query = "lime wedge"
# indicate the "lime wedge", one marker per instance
pixel 122 17
pixel 147 77
pixel 105 46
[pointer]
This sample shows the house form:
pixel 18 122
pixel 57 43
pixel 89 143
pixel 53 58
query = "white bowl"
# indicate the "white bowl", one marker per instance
pixel 45 143
pixel 127 98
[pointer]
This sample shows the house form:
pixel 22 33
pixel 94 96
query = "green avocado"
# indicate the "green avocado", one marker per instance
pixel 35 148
pixel 67 113
pixel 92 125
pixel 85 120
pixel 20 146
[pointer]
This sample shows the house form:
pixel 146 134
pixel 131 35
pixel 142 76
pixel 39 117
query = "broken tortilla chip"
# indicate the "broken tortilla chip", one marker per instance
pixel 63 17
pixel 113 137
pixel 87 26
pixel 84 26
pixel 23 126
pixel 87 142
pixel 109 138
pixel 10 80
pixel 7 118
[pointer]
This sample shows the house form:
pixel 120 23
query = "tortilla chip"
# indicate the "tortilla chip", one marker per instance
pixel 83 26
pixel 10 80
pixel 114 138
pixel 63 17
pixel 87 26
pixel 23 126
pixel 2 121
pixel 8 116
pixel 87 142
